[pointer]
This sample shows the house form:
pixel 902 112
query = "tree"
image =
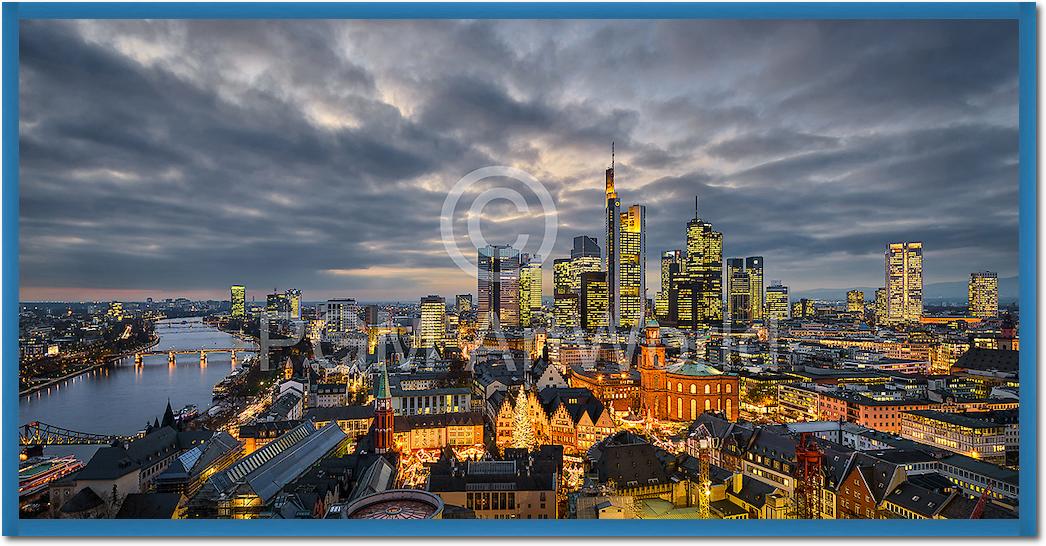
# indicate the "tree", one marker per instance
pixel 523 430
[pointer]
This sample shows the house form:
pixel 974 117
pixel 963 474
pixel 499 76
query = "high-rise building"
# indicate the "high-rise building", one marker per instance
pixel 880 306
pixel 698 297
pixel 498 287
pixel 565 308
pixel 744 289
pixel 631 289
pixel 530 287
pixel 613 242
pixel 238 300
pixel 584 246
pixel 343 315
pixel 463 303
pixel 738 291
pixel 754 270
pixel 904 282
pixel 671 260
pixel 777 306
pixel 294 303
pixel 594 300
pixel 566 278
pixel 804 308
pixel 277 306
pixel 984 294
pixel 855 302
pixel 433 325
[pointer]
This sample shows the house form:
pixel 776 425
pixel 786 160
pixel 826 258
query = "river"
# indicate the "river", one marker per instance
pixel 122 398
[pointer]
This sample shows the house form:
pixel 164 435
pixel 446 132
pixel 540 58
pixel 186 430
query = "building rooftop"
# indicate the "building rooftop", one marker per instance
pixel 958 419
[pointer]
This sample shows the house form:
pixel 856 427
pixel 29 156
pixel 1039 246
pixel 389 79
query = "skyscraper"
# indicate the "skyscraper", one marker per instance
pixel 613 230
pixel 984 294
pixel 754 270
pixel 671 260
pixel 498 287
pixel 631 289
pixel 855 302
pixel 433 325
pixel 238 300
pixel 530 287
pixel 565 308
pixel 699 290
pixel 584 246
pixel 343 315
pixel 738 303
pixel 294 303
pixel 880 306
pixel 277 306
pixel 904 282
pixel 777 306
pixel 595 301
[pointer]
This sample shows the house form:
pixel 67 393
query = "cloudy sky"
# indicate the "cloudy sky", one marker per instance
pixel 174 158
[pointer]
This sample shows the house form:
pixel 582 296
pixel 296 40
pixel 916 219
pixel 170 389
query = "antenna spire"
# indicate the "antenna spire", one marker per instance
pixel 611 154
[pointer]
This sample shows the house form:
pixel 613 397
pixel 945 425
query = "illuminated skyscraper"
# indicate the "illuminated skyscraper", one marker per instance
pixel 565 308
pixel 777 306
pixel 294 303
pixel 671 260
pixel 754 270
pixel 880 306
pixel 613 242
pixel 984 294
pixel 595 302
pixel 855 302
pixel 699 290
pixel 498 287
pixel 463 303
pixel 631 289
pixel 904 282
pixel 738 303
pixel 530 287
pixel 566 273
pixel 238 300
pixel 803 308
pixel 343 315
pixel 433 325
pixel 277 306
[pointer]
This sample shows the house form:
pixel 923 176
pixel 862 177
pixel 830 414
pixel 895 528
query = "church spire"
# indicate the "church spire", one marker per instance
pixel 168 416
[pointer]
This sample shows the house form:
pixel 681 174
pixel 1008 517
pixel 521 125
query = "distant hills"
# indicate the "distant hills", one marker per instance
pixel 1009 290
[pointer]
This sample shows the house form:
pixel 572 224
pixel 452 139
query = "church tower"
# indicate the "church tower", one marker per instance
pixel 652 373
pixel 383 415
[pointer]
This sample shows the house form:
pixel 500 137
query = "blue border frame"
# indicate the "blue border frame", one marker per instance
pixel 1024 13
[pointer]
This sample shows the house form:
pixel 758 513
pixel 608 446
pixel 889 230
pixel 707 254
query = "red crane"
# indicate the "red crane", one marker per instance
pixel 808 477
pixel 978 510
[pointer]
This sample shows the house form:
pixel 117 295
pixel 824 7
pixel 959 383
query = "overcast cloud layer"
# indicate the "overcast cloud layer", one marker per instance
pixel 169 158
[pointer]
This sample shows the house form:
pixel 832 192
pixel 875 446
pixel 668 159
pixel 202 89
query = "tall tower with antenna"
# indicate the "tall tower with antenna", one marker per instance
pixel 613 243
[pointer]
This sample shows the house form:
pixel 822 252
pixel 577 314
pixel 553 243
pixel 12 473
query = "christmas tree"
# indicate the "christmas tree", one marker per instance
pixel 523 432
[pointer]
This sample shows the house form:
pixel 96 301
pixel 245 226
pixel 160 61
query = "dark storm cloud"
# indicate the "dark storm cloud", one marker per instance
pixel 184 156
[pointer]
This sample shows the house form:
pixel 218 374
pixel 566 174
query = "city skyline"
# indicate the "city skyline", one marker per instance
pixel 817 167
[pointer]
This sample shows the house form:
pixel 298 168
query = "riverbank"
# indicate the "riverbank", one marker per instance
pixel 154 340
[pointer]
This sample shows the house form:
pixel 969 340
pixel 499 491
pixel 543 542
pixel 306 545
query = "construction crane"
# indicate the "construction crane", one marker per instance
pixel 704 443
pixel 808 477
pixel 978 510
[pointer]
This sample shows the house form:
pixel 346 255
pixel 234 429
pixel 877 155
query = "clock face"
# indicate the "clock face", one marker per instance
pixel 401 509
